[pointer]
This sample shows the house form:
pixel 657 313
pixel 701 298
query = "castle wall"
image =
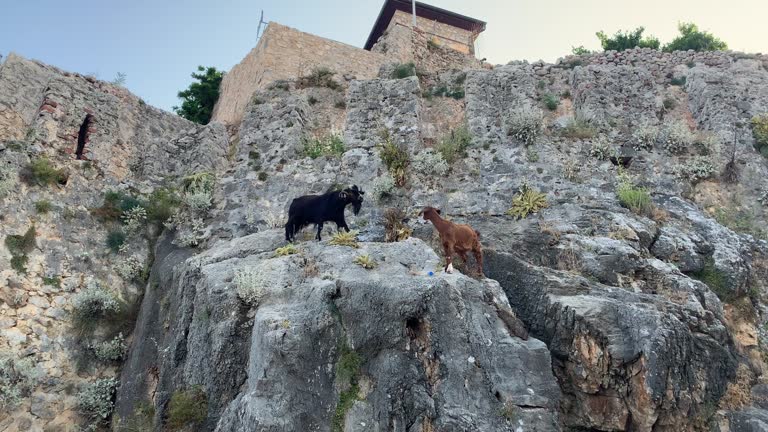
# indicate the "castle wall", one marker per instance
pixel 286 53
pixel 442 34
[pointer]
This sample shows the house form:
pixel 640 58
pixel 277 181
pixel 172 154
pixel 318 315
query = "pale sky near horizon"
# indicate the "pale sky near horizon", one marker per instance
pixel 157 44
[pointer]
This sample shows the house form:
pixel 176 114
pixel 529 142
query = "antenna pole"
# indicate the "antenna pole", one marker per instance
pixel 413 5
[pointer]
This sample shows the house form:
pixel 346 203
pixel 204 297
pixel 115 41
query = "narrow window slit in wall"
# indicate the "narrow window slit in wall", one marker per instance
pixel 82 137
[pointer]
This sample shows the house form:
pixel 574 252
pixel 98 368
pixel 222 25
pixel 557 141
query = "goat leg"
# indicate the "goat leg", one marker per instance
pixel 319 230
pixel 479 260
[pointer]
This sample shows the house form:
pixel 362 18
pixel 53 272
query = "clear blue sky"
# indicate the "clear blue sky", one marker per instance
pixel 158 43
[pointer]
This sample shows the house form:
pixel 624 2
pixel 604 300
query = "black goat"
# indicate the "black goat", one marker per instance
pixel 317 209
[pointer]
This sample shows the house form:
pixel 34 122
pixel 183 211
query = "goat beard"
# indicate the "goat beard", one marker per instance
pixel 356 208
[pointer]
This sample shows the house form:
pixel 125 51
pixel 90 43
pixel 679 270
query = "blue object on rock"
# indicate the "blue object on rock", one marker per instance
pixel 431 274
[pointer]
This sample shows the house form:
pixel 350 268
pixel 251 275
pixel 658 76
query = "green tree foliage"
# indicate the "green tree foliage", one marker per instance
pixel 198 100
pixel 626 40
pixel 691 38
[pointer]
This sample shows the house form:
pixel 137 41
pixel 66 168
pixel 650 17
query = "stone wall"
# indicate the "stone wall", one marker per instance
pixel 131 147
pixel 661 64
pixel 441 34
pixel 286 53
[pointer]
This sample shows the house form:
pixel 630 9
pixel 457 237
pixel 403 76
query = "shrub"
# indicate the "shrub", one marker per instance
pixel 601 150
pixel 635 198
pixel 319 77
pixel 187 407
pixel 395 158
pixel 18 377
pixel 251 284
pixel 43 173
pixel 115 240
pixel 394 228
pixel 329 145
pixel 383 187
pixel 644 137
pixel 454 91
pixel 524 124
pixel 134 219
pixel 348 239
pixel 626 40
pixel 114 205
pixel 691 38
pixel 550 101
pixel 429 163
pixel 531 154
pixel 43 206
pixel 715 280
pixel 669 103
pixel 95 304
pixel 578 128
pixel 455 145
pixel 365 261
pixel 198 191
pixel 741 221
pixel 527 201
pixel 95 400
pixel 678 81
pixel 580 50
pixel 697 169
pixel 340 104
pixel 312 100
pixel 676 137
pixel 403 70
pixel 19 246
pixel 54 281
pixel 111 350
pixel 262 176
pixel 288 249
pixel 129 268
pixel 760 133
pixel 7 179
pixel 161 205
pixel 347 371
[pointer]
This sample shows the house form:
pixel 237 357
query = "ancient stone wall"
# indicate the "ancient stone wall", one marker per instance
pixel 286 53
pixel 661 64
pixel 441 34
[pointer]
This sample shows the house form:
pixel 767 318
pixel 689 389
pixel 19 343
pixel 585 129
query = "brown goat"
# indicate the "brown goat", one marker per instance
pixel 456 238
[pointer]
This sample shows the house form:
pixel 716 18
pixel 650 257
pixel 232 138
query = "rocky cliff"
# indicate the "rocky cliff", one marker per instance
pixel 634 257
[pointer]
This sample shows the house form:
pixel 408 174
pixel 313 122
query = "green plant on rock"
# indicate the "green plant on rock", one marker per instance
pixel 678 81
pixel 347 373
pixel 19 246
pixel 741 221
pixel 331 145
pixel 395 157
pixel 162 204
pixel 635 198
pixel 288 249
pixel 430 163
pixel 318 77
pixel 95 401
pixel 403 70
pixel 760 133
pixel 697 169
pixel 365 261
pixel 454 145
pixel 644 136
pixel 115 240
pixel 8 178
pixel 42 172
pixel 550 101
pixel 676 137
pixel 111 350
pixel 200 97
pixel 527 201
pixel 95 304
pixel 580 50
pixel 383 187
pixel 54 281
pixel 524 124
pixel 394 228
pixel 43 206
pixel 578 128
pixel 716 281
pixel 187 408
pixel 348 239
pixel 18 377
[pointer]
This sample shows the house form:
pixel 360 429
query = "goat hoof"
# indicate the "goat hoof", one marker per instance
pixel 449 269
